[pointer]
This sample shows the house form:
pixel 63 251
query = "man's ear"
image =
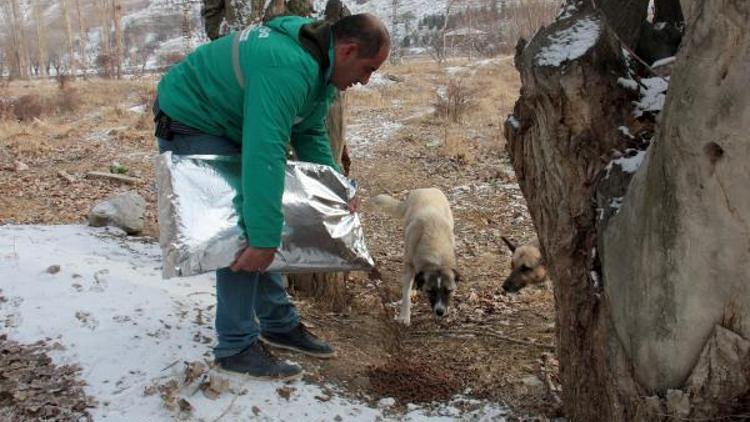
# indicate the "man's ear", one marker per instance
pixel 419 280
pixel 348 50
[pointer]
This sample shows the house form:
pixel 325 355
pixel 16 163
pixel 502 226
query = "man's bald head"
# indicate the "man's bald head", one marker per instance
pixel 364 29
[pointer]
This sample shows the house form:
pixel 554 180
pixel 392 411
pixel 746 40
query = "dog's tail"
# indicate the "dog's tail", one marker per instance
pixel 390 205
pixel 512 246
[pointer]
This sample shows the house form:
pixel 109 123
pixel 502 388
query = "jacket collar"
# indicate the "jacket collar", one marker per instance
pixel 316 39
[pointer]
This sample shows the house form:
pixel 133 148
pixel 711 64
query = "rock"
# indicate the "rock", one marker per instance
pixel 393 78
pixel 53 269
pixel 533 385
pixel 386 402
pixel 20 166
pixel 125 210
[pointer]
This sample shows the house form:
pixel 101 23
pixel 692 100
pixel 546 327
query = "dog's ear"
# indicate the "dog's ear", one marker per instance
pixel 456 276
pixel 419 280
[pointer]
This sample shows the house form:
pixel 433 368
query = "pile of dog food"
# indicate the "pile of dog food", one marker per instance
pixel 413 381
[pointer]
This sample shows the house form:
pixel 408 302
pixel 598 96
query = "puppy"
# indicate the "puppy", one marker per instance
pixel 527 266
pixel 429 258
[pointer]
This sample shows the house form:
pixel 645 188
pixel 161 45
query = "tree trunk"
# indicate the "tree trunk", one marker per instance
pixel 648 295
pixel 104 57
pixel 328 288
pixel 83 40
pixel 21 68
pixel 116 14
pixel 625 17
pixel 41 39
pixel 677 255
pixel 72 65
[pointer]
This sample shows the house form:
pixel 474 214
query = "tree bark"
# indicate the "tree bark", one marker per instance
pixel 561 128
pixel 650 295
pixel 677 255
pixel 104 59
pixel 72 65
pixel 625 18
pixel 41 40
pixel 118 56
pixel 83 40
pixel 21 68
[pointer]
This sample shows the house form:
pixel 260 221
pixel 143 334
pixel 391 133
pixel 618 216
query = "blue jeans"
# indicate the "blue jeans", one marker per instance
pixel 240 296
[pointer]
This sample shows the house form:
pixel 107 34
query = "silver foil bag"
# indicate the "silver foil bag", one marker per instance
pixel 199 221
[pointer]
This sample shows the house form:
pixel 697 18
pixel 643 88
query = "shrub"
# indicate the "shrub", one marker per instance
pixel 68 100
pixel 454 102
pixel 29 107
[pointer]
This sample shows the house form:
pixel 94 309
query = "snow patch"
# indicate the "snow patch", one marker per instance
pixel 513 122
pixel 569 43
pixel 627 83
pixel 128 329
pixel 361 137
pixel 625 132
pixel 627 164
pixel 566 11
pixel 454 70
pixel 138 108
pixel 653 94
pixel 663 62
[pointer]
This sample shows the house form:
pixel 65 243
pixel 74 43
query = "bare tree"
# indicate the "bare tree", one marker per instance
pixel 83 40
pixel 116 14
pixel 524 19
pixel 105 59
pixel 69 38
pixel 41 39
pixel 21 62
pixel 441 54
pixel 395 56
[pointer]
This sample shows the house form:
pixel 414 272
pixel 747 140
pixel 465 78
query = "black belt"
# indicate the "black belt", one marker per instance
pixel 166 127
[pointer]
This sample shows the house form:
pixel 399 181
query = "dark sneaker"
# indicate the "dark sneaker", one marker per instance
pixel 257 362
pixel 299 339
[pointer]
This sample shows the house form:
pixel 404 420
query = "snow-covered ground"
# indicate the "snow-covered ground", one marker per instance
pixel 99 294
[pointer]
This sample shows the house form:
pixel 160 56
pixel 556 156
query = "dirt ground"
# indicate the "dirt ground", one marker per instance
pixel 491 345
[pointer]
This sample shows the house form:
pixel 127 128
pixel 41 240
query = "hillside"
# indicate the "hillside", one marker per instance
pixel 153 30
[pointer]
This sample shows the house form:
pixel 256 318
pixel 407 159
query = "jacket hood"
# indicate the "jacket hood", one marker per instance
pixel 314 36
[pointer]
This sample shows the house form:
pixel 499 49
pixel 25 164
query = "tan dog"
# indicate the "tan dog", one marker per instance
pixel 429 258
pixel 527 266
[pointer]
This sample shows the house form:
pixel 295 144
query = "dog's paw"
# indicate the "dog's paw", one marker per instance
pixel 406 320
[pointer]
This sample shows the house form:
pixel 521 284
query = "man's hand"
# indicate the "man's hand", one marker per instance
pixel 253 259
pixel 354 204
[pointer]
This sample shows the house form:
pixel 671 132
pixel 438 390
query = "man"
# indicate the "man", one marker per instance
pixel 222 16
pixel 250 93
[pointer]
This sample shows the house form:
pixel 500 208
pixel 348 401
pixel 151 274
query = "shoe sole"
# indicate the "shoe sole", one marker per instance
pixel 294 377
pixel 294 349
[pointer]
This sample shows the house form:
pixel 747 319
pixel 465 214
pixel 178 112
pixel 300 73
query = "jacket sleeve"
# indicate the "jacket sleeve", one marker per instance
pixel 310 137
pixel 273 98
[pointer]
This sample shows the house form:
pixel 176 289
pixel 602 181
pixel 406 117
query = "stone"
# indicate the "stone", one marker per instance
pixel 125 211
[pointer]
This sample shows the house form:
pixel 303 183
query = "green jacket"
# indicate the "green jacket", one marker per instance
pixel 286 66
